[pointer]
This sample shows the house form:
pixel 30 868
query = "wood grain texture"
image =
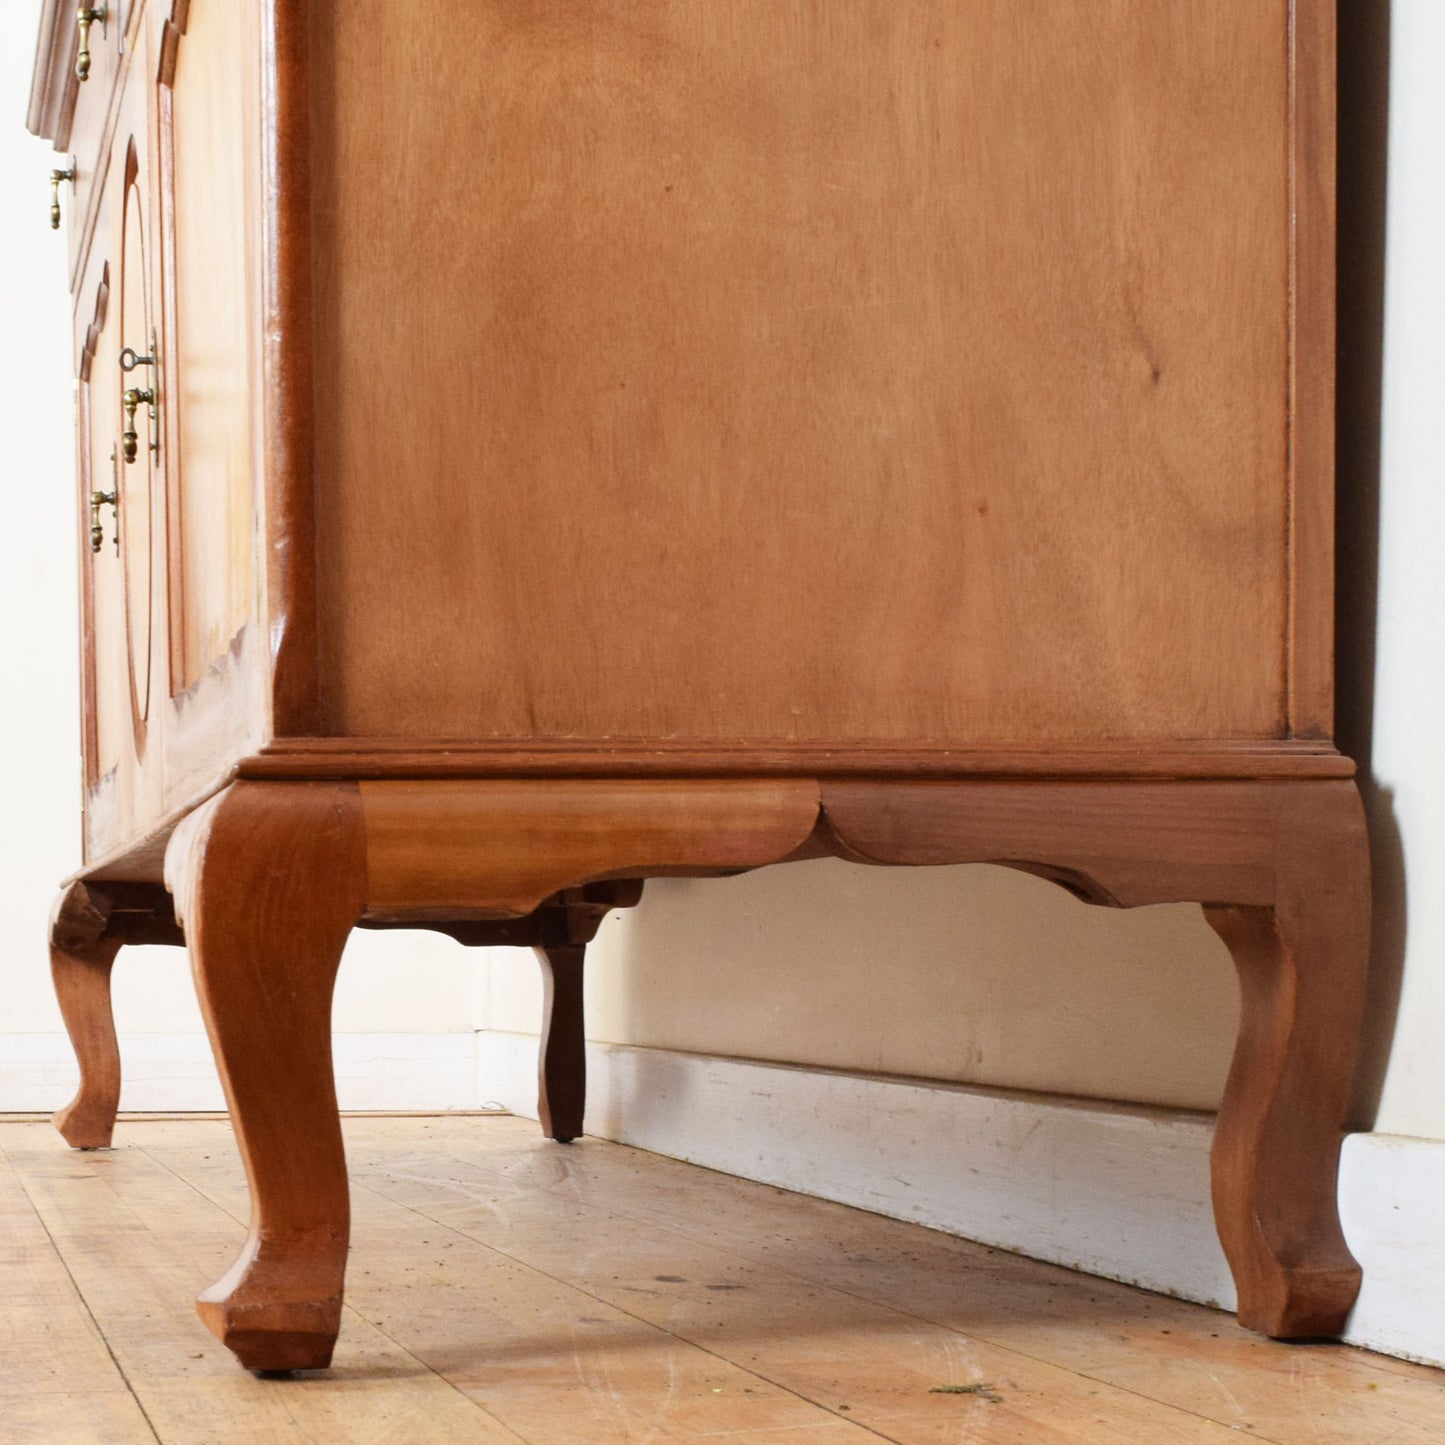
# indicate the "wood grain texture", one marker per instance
pixel 268 882
pixel 865 375
pixel 500 848
pixel 207 112
pixel 566 1335
pixel 1117 843
pixel 1312 368
pixel 287 366
pixel 420 758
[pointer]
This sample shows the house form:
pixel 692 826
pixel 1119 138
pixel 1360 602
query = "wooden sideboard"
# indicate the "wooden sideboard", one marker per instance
pixel 526 452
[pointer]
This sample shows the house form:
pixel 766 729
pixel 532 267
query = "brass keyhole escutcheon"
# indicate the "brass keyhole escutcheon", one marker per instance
pixel 85 17
pixel 56 177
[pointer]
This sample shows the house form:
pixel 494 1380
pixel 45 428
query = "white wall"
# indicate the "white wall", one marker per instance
pixel 1409 733
pixel 975 975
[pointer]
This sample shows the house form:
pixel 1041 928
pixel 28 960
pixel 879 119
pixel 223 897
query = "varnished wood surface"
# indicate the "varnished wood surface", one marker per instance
pixel 210 191
pixel 1303 966
pixel 506 1290
pixel 1312 370
pixel 150 754
pixel 302 759
pixel 874 374
pixel 290 496
pixel 81 958
pixel 267 890
pixel 437 758
pixel 880 191
pixel 270 877
pixel 502 847
pixel 103 663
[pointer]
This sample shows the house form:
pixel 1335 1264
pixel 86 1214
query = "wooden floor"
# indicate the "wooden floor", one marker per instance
pixel 504 1289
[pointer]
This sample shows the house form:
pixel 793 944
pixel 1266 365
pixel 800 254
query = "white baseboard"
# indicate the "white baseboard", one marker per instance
pixel 164 1073
pixel 1115 1191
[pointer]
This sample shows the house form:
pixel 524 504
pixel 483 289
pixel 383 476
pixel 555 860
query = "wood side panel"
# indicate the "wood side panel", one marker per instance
pixel 208 111
pixel 289 496
pixel 208 79
pixel 746 371
pixel 1312 369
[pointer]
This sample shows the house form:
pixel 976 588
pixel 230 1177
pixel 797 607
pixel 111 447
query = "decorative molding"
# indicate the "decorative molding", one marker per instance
pixel 53 84
pixel 321 757
pixel 1112 1190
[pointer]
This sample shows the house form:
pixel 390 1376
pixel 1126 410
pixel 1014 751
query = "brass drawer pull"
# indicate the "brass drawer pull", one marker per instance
pixel 109 499
pixel 130 438
pixel 97 532
pixel 56 177
pixel 133 398
pixel 85 17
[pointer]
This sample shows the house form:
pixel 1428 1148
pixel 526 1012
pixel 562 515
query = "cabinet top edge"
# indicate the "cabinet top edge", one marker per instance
pixel 53 87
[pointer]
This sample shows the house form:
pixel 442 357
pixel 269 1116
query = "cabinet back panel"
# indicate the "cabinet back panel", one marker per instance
pixel 730 369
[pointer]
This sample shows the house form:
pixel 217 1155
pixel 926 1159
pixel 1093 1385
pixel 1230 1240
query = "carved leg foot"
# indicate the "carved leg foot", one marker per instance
pixel 1302 967
pixel 269 879
pixel 81 957
pixel 1290 860
pixel 562 1057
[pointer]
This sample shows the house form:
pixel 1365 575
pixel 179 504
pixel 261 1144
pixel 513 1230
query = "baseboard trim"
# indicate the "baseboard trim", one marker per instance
pixel 174 1073
pixel 1116 1191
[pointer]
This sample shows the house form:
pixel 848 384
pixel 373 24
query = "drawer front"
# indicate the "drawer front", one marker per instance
pixel 109 42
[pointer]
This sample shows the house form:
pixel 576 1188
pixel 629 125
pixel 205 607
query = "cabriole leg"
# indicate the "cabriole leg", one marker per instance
pixel 562 1056
pixel 81 958
pixel 269 879
pixel 1302 969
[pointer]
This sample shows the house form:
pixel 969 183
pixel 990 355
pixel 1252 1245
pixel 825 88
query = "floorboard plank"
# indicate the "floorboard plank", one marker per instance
pixel 503 1288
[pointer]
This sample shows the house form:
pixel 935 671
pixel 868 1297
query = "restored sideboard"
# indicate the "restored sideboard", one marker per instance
pixel 529 450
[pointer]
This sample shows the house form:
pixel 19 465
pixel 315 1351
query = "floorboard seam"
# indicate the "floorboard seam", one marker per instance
pixel 85 1303
pixel 351 1309
pixel 850 1294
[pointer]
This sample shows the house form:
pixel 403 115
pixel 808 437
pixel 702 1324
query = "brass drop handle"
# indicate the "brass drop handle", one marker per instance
pixel 132 398
pixel 97 532
pixel 85 17
pixel 56 177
